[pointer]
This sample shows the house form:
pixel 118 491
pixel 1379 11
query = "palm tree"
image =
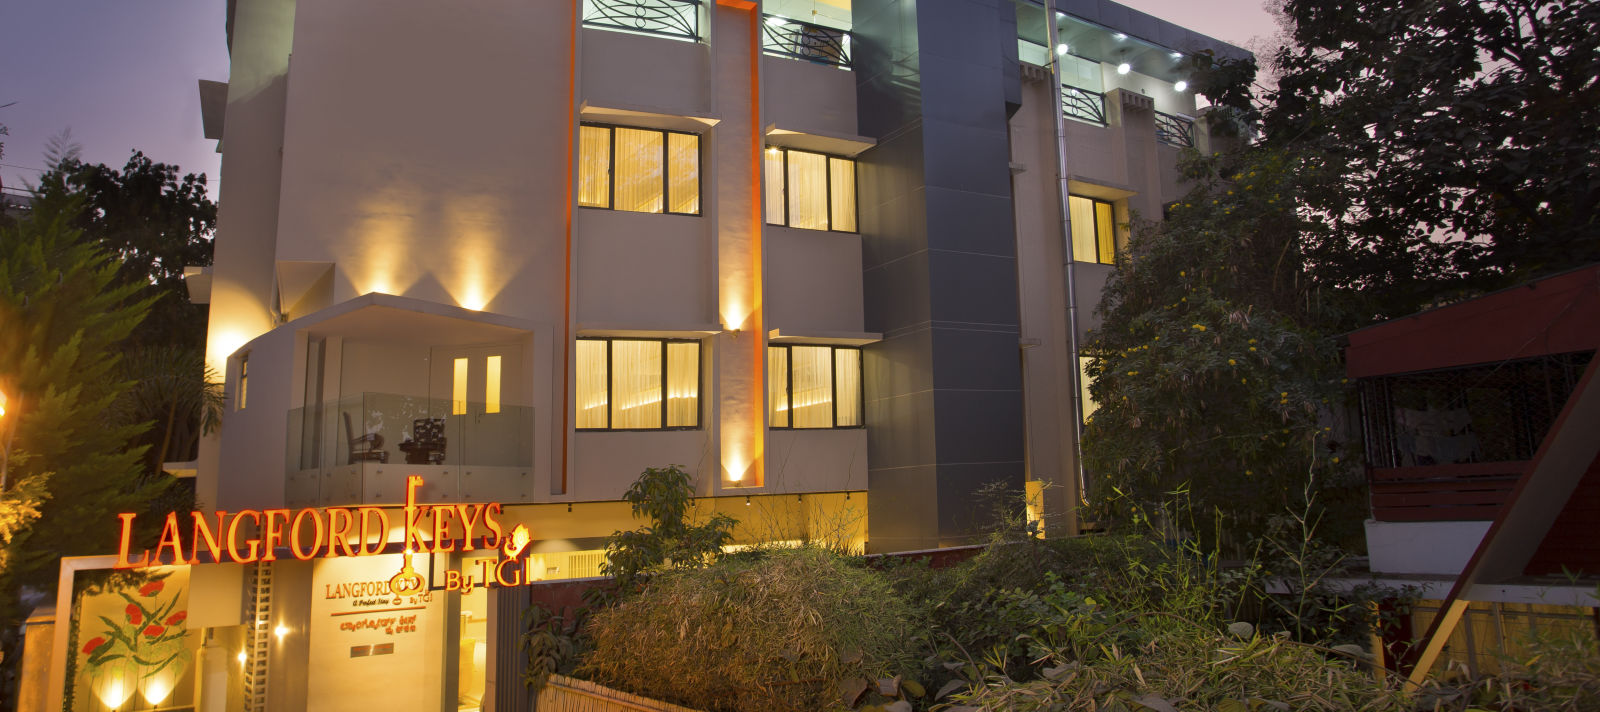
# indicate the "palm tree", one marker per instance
pixel 172 387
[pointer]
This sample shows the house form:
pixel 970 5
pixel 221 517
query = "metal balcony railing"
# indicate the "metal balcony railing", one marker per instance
pixel 1083 104
pixel 679 19
pixel 1175 130
pixel 802 40
pixel 360 448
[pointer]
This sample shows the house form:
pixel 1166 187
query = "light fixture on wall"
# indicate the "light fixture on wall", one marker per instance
pixel 747 500
pixel 1181 86
pixel 1061 48
pixel 1123 68
pixel 569 508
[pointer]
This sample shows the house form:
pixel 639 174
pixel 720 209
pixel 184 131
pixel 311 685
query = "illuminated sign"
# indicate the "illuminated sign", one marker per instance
pixel 253 535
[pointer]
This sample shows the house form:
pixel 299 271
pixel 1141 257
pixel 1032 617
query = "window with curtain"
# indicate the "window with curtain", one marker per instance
pixel 813 386
pixel 638 384
pixel 639 170
pixel 1094 235
pixel 809 190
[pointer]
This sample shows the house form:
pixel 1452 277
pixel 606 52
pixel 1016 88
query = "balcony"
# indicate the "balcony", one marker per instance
pixel 1175 130
pixel 677 19
pixel 359 449
pixel 1083 105
pixel 784 37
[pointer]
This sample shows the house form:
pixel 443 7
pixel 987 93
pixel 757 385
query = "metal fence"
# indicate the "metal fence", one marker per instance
pixel 668 18
pixel 1083 104
pixel 1175 130
pixel 784 37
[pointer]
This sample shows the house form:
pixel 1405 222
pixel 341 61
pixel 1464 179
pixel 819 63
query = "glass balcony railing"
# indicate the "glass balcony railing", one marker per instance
pixel 678 19
pixel 359 449
pixel 1175 130
pixel 784 37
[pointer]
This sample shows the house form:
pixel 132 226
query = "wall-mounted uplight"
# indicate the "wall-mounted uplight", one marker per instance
pixel 1181 86
pixel 243 657
pixel 1061 49
pixel 1123 68
pixel 280 631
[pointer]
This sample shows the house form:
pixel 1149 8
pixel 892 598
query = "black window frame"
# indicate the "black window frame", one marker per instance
pixel 666 169
pixel 828 174
pixel 699 375
pixel 1093 201
pixel 788 386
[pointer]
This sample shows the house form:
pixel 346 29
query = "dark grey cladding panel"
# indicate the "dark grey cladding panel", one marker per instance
pixel 896 294
pixel 905 515
pixel 969 158
pixel 971 222
pixel 1010 67
pixel 1147 27
pixel 902 428
pixel 964 517
pixel 965 354
pixel 974 289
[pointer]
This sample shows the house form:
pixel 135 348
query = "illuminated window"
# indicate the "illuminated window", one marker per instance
pixel 458 388
pixel 1086 402
pixel 1094 235
pixel 638 170
pixel 810 190
pixel 244 380
pixel 638 384
pixel 491 385
pixel 813 386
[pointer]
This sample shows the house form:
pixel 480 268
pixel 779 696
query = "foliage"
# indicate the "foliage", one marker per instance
pixel 1469 120
pixel 63 315
pixel 1212 369
pixel 174 388
pixel 552 641
pixel 672 540
pixel 791 629
pixel 154 224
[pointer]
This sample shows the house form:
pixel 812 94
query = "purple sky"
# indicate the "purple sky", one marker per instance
pixel 121 73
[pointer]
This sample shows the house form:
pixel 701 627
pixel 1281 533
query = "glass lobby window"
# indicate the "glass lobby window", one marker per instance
pixel 639 170
pixel 813 386
pixel 638 384
pixel 810 190
pixel 1094 236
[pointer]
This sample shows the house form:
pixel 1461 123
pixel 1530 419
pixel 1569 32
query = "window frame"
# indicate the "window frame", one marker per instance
pixel 666 171
pixel 788 386
pixel 241 396
pixel 1094 220
pixel 699 375
pixel 827 172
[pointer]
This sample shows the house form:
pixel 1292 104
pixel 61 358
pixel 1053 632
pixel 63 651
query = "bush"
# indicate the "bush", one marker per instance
pixel 780 631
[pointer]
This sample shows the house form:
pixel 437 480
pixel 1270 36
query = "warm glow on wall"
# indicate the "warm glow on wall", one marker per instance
pixel 458 388
pixel 491 387
pixel 158 688
pixel 116 686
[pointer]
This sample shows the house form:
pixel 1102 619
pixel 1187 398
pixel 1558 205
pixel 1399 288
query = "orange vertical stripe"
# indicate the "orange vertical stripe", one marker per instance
pixel 758 330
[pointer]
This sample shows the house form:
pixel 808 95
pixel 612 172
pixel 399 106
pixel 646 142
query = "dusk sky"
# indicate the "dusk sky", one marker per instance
pixel 122 73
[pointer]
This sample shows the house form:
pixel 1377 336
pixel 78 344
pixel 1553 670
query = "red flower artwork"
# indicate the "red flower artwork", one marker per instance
pixel 93 645
pixel 134 615
pixel 153 630
pixel 151 589
pixel 177 618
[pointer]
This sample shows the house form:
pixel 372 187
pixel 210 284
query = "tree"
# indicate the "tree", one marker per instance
pixel 1212 370
pixel 1466 132
pixel 153 223
pixel 672 540
pixel 172 387
pixel 63 318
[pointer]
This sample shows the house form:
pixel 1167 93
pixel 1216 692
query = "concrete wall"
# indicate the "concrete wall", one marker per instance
pixel 643 270
pixel 813 281
pixel 807 96
pixel 639 72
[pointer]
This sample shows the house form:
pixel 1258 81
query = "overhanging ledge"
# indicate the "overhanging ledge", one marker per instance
pixel 830 338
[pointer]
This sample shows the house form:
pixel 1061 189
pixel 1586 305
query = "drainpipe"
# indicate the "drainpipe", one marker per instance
pixel 1053 34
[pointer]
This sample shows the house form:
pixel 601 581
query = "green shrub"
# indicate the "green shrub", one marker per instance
pixel 780 631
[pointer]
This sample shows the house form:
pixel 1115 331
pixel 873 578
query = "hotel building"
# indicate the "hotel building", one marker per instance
pixel 832 257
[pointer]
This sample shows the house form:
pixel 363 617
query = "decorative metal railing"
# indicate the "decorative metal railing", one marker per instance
pixel 1175 130
pixel 803 40
pixel 1083 104
pixel 667 18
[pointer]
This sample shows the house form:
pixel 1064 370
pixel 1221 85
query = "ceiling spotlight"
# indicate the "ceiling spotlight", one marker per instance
pixel 1061 48
pixel 1181 86
pixel 1123 68
pixel 1120 36
pixel 1177 55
